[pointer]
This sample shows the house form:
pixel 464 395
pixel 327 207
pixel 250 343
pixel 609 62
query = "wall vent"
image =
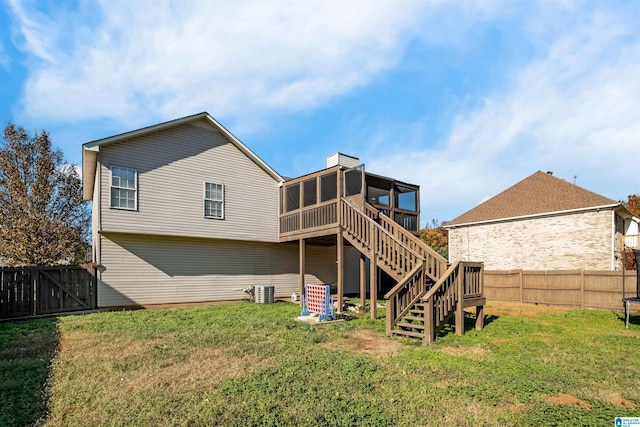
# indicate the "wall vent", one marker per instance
pixel 265 294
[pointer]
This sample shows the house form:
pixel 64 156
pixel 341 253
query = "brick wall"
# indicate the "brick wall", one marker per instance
pixel 561 242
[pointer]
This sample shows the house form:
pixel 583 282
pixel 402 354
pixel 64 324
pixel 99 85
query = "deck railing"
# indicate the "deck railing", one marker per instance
pixel 404 295
pixel 397 256
pixel 463 280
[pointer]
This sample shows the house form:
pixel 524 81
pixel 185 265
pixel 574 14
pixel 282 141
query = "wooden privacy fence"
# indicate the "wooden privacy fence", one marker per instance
pixel 32 291
pixel 575 288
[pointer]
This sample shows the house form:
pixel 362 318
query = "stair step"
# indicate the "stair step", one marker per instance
pixel 408 333
pixel 418 318
pixel 410 325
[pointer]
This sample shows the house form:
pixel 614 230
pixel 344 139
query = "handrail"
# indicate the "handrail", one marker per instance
pixel 411 237
pixel 380 228
pixel 440 281
pixel 403 282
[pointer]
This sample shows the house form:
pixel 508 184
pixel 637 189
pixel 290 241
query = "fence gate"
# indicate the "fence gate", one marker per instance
pixel 31 291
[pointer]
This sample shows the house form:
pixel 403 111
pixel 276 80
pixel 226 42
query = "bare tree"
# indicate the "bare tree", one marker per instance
pixel 43 219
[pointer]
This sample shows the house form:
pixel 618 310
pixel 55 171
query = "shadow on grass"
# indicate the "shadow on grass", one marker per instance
pixel 634 318
pixel 27 348
pixel 469 324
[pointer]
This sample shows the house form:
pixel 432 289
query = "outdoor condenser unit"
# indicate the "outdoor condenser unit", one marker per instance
pixel 265 294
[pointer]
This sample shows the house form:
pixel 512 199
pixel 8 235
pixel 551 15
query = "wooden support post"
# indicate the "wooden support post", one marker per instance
pixel 460 301
pixel 302 250
pixel 391 314
pixel 363 281
pixel 479 317
pixel 340 250
pixel 429 325
pixel 373 272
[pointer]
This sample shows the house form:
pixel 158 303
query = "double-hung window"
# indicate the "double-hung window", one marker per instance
pixel 213 200
pixel 124 183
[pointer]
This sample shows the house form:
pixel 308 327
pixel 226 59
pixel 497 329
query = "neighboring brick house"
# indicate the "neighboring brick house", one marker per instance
pixel 542 223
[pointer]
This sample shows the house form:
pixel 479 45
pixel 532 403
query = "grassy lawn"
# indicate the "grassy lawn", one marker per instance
pixel 250 364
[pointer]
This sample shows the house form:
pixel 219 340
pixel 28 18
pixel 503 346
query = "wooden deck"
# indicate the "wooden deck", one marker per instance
pixel 428 291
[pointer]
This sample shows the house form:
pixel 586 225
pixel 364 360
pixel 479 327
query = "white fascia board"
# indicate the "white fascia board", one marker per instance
pixel 514 218
pixel 89 166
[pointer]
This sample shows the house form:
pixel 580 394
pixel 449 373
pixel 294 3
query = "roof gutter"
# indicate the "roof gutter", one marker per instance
pixel 513 218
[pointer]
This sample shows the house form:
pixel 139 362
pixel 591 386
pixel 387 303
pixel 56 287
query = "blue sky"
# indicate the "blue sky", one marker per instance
pixel 464 98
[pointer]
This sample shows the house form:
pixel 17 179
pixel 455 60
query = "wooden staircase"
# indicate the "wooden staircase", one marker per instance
pixel 428 293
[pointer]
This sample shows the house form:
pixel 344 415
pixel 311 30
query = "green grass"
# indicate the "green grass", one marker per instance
pixel 251 364
pixel 26 350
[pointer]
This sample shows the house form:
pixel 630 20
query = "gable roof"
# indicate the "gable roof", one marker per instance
pixel 538 194
pixel 90 149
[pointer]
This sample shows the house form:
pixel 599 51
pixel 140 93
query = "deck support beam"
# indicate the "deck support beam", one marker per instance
pixel 302 259
pixel 460 302
pixel 363 280
pixel 373 274
pixel 340 250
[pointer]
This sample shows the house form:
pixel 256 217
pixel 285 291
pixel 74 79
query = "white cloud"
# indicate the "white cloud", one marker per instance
pixel 140 61
pixel 574 109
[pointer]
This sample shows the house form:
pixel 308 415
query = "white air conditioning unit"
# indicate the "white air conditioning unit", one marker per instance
pixel 265 294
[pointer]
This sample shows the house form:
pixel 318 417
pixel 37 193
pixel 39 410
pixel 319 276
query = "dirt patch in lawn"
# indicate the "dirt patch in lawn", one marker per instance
pixel 568 400
pixel 366 341
pixel 125 366
pixel 614 397
pixel 496 308
pixel 204 368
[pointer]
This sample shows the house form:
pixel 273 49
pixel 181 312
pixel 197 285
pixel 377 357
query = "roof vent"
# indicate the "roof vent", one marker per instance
pixel 549 172
pixel 342 160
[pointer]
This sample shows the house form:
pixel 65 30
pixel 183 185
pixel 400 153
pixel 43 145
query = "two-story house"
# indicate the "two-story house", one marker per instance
pixel 185 212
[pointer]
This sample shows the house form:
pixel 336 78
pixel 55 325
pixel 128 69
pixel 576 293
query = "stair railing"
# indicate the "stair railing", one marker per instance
pixel 388 248
pixel 436 264
pixel 440 301
pixel 404 295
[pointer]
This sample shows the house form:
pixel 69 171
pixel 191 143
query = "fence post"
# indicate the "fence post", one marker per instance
pixel 582 288
pixel 521 274
pixel 35 278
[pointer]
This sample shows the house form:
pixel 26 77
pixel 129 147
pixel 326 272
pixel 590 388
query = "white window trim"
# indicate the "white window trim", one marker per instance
pixel 135 188
pixel 204 200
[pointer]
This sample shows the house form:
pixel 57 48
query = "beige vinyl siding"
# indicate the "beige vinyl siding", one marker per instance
pixel 562 242
pixel 151 269
pixel 172 167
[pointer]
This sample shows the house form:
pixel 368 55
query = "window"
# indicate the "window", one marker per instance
pixel 309 194
pixel 213 200
pixel 379 196
pixel 328 187
pixel 124 183
pixel 293 197
pixel 406 199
